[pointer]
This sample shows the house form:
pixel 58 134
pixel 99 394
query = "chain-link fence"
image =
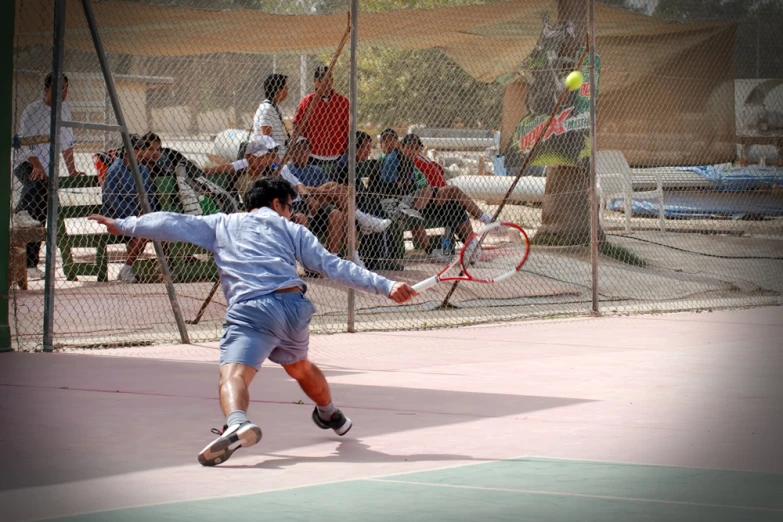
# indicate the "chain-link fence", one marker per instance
pixel 452 99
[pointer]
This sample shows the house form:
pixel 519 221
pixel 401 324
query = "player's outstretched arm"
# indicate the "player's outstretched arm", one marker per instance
pixel 166 226
pixel 315 257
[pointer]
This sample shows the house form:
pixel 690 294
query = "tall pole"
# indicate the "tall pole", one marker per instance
pixel 145 204
pixel 593 197
pixel 302 76
pixel 352 162
pixel 52 210
pixel 6 122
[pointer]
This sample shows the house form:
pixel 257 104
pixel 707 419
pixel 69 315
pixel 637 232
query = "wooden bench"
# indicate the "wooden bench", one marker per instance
pixel 180 255
pixel 67 241
pixel 19 239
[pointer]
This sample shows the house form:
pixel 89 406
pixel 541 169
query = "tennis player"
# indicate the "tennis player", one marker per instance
pixel 268 316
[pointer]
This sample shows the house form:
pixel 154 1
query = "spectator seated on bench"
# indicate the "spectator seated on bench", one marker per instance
pixel 178 185
pixel 409 197
pixel 319 214
pixel 121 200
pixel 374 242
pixel 324 202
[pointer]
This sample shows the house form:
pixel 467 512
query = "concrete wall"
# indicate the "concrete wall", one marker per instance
pixel 171 120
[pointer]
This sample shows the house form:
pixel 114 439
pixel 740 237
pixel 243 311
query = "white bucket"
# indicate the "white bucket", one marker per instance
pixel 226 144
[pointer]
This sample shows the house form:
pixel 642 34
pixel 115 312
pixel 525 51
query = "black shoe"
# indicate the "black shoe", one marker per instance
pixel 230 439
pixel 339 422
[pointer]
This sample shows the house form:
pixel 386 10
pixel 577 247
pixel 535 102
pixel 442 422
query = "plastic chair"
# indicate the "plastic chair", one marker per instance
pixel 614 179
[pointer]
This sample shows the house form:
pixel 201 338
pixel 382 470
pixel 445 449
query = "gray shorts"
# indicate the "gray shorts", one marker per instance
pixel 274 327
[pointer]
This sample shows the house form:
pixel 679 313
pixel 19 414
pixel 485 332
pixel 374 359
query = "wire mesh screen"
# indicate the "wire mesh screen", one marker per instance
pixel 458 103
pixel 689 158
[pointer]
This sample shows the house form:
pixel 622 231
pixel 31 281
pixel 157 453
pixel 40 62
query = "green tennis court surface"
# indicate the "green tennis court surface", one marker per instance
pixel 670 418
pixel 519 489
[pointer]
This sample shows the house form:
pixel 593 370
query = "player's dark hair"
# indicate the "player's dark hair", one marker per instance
pixel 151 138
pixel 48 80
pixel 273 84
pixel 265 190
pixel 143 142
pixel 362 138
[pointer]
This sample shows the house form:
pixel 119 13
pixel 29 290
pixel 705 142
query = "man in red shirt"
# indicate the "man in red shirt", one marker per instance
pixel 328 124
pixel 412 148
pixel 432 170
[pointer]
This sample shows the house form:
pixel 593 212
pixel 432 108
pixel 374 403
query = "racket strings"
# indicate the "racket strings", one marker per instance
pixel 494 252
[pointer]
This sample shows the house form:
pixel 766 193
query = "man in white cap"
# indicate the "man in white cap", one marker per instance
pixel 260 156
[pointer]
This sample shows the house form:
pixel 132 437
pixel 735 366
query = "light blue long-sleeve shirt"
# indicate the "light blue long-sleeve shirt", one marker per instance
pixel 256 252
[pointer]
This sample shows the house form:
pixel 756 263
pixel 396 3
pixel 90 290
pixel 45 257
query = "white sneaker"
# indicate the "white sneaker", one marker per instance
pixel 357 260
pixel 34 273
pixel 230 439
pixel 371 224
pixel 126 274
pixel 23 219
pixel 400 211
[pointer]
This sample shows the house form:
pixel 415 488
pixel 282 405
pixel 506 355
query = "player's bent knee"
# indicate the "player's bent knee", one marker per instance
pixel 298 369
pixel 236 370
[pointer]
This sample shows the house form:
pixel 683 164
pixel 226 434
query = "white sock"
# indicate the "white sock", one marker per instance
pixel 236 417
pixel 486 218
pixel 325 412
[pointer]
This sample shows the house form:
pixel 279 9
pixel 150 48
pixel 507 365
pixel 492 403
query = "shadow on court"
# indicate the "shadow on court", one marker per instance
pixel 79 417
pixel 351 450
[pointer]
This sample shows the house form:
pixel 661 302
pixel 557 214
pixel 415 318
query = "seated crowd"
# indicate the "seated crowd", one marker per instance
pixel 402 186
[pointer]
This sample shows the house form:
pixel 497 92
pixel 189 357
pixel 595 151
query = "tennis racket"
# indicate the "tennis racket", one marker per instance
pixel 491 254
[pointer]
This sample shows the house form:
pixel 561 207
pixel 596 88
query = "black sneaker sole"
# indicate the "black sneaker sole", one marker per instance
pixel 221 449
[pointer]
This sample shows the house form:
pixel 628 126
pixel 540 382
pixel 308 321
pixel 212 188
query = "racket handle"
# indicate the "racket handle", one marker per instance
pixel 427 283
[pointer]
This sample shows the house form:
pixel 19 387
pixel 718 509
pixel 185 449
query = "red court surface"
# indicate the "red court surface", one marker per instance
pixel 656 417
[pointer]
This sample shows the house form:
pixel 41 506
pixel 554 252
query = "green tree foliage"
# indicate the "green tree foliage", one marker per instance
pixel 401 87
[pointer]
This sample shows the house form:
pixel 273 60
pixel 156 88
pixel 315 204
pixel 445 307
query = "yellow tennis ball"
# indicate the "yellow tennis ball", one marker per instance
pixel 574 80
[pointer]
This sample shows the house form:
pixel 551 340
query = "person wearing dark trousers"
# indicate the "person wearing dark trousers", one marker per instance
pixel 32 164
pixel 327 126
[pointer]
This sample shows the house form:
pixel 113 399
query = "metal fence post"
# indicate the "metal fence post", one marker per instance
pixel 52 209
pixel 352 163
pixel 145 204
pixel 6 119
pixel 594 224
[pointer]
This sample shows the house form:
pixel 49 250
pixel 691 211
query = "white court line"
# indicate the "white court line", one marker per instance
pixel 578 495
pixel 385 477
pixel 645 464
pixel 264 491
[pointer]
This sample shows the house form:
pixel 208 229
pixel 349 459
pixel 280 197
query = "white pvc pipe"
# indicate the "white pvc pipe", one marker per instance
pixel 493 188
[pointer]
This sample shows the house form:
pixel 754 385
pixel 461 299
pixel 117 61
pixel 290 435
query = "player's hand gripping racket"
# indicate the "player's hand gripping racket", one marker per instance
pixel 491 254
